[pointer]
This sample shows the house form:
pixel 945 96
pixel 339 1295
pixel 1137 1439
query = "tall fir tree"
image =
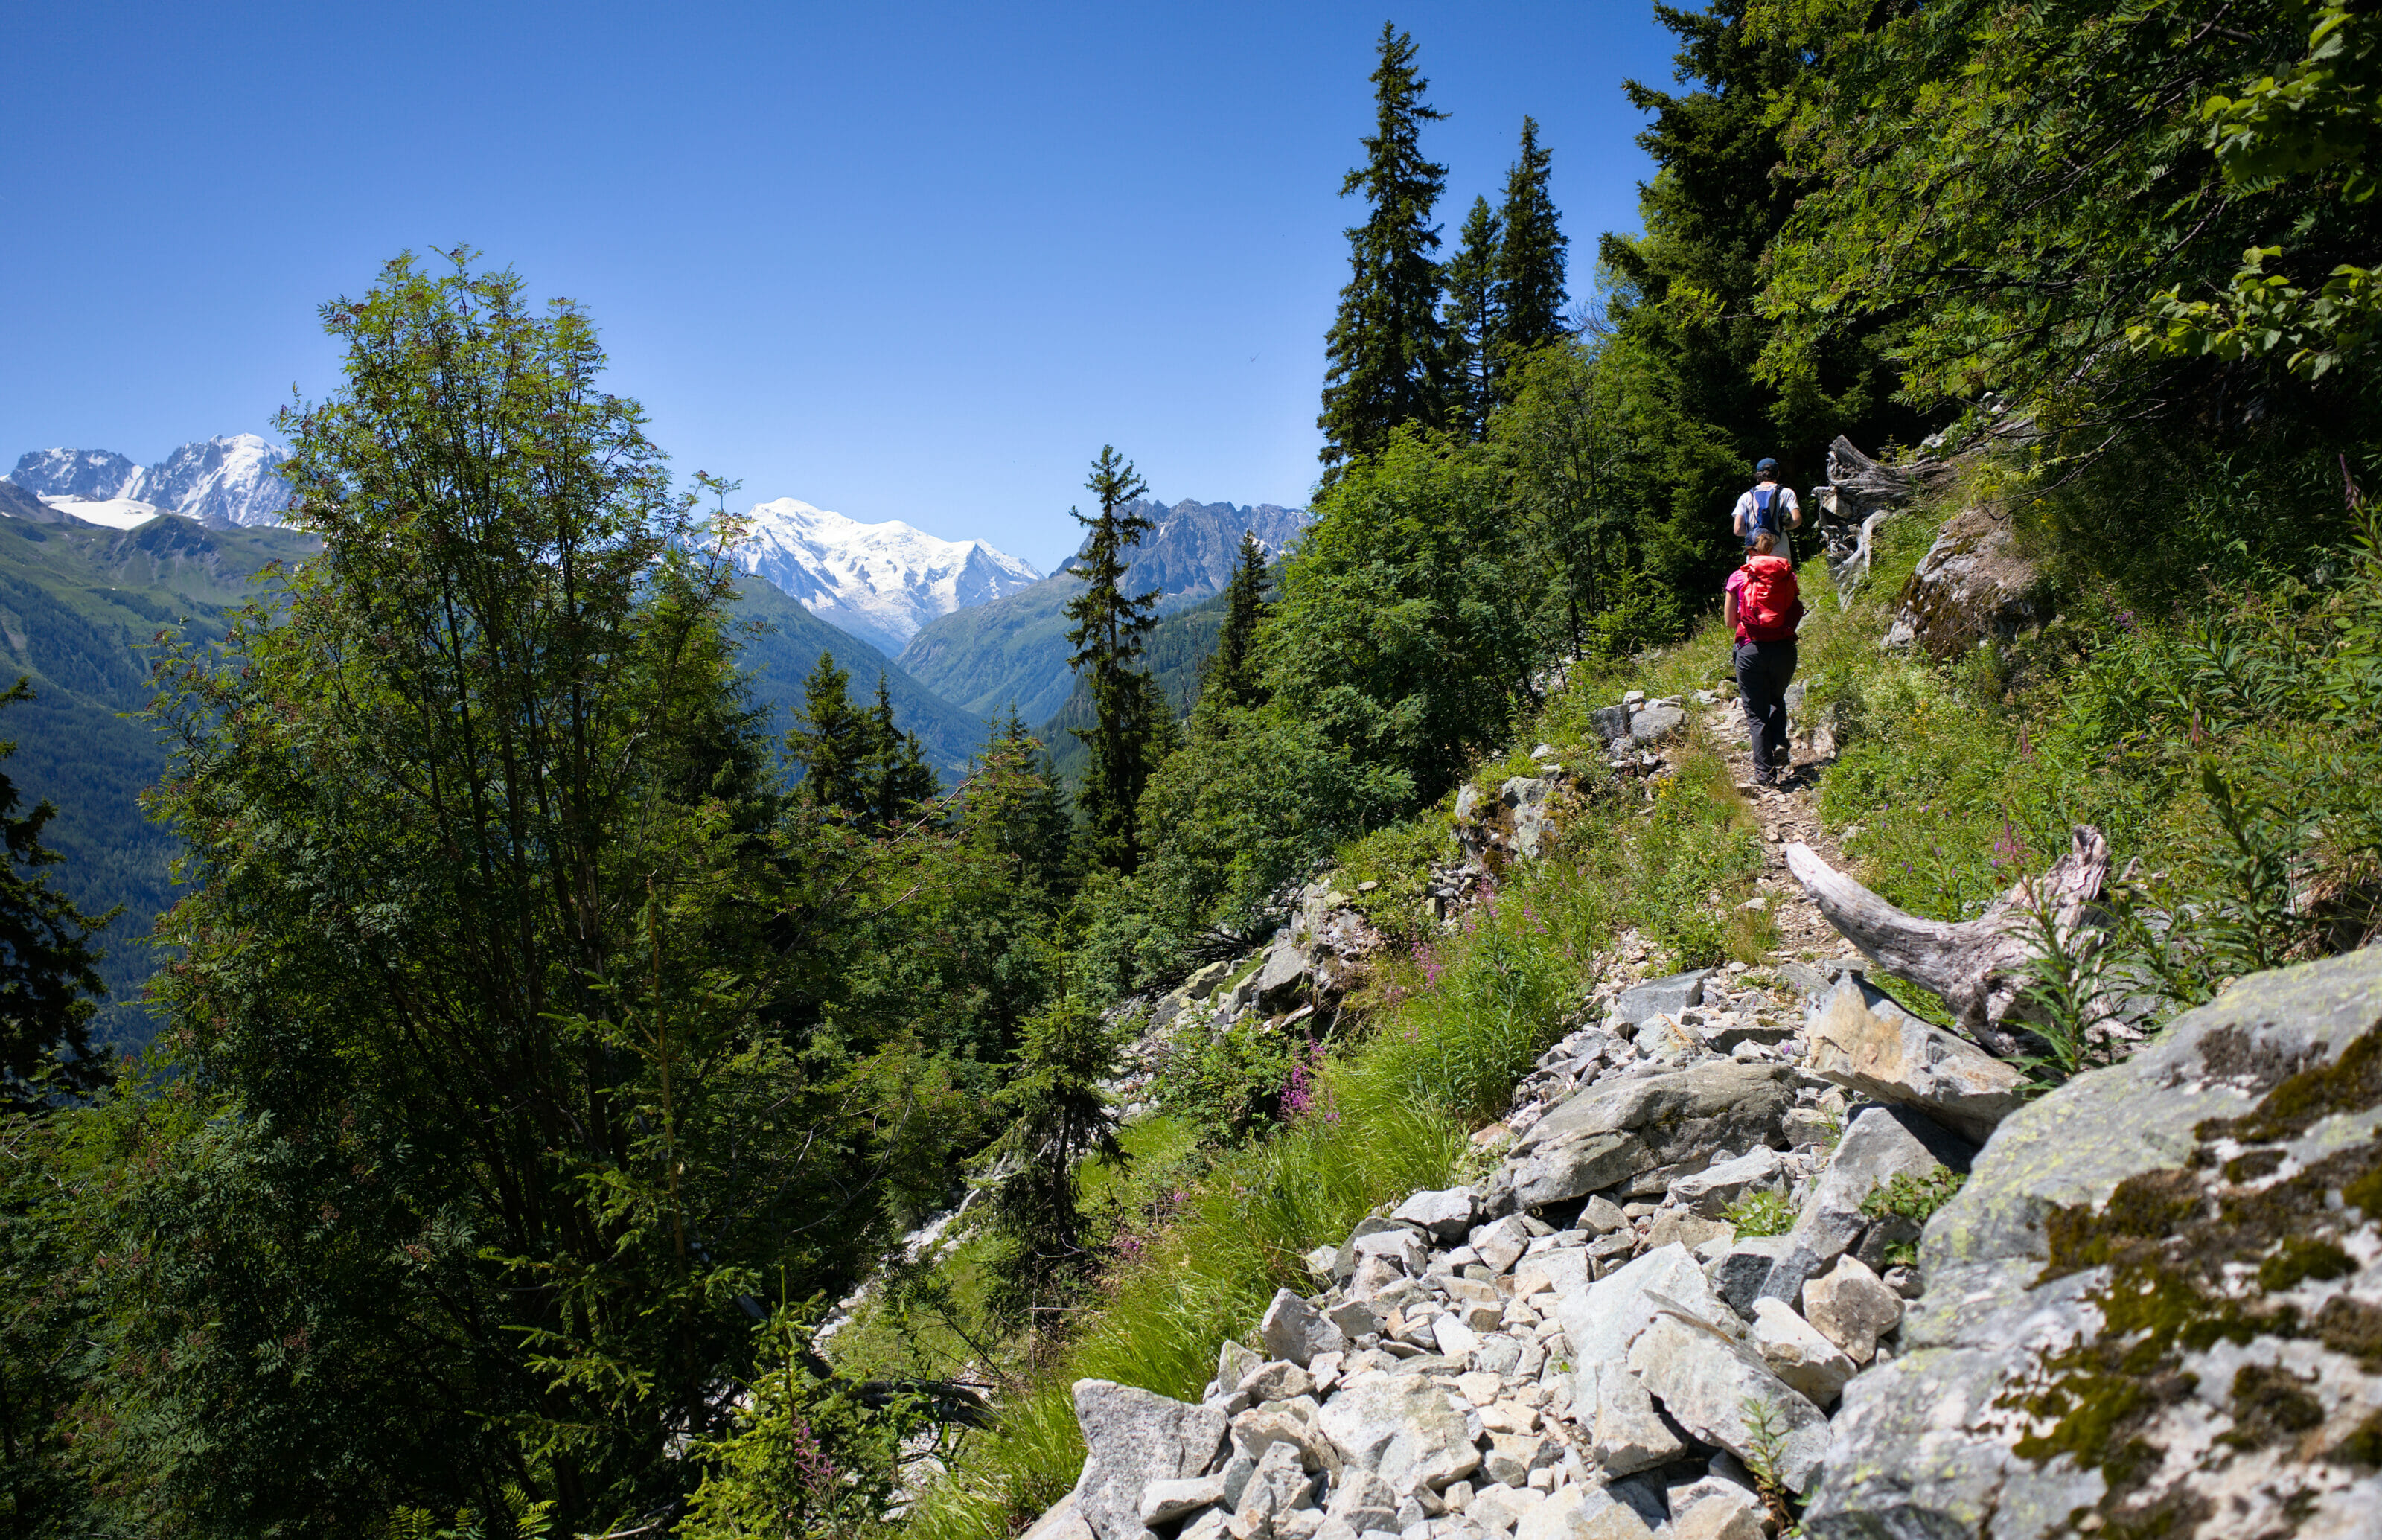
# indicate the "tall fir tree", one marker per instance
pixel 897 778
pixel 1108 624
pixel 853 759
pixel 1475 322
pixel 1232 679
pixel 49 973
pixel 1016 809
pixel 1531 260
pixel 1387 351
pixel 831 741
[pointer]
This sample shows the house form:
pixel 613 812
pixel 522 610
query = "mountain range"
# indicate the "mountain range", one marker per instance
pixel 222 482
pixel 1012 651
pixel 880 583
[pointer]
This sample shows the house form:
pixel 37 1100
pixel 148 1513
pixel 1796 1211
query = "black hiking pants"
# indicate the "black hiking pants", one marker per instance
pixel 1763 671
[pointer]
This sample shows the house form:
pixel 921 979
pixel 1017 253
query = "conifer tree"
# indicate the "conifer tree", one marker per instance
pixel 1388 357
pixel 1017 809
pixel 1127 738
pixel 896 776
pixel 1530 262
pixel 832 741
pixel 1232 681
pixel 48 971
pixel 1476 323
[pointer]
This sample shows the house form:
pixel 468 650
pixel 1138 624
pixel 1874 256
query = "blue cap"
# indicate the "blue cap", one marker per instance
pixel 1761 465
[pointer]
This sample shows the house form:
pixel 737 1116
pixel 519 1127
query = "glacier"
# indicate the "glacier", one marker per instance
pixel 880 583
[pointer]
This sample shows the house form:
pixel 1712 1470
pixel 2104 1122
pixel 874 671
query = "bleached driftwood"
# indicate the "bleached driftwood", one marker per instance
pixel 1978 966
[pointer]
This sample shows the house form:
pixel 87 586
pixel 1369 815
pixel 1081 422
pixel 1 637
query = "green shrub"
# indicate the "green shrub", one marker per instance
pixel 1763 1213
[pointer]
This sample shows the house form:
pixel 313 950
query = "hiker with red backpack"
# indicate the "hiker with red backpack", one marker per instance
pixel 1768 507
pixel 1761 608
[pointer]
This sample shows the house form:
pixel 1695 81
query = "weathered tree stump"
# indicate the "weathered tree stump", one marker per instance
pixel 1978 966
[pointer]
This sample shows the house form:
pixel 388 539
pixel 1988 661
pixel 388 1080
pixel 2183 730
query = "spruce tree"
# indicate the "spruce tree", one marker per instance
pixel 1530 262
pixel 1388 357
pixel 49 973
pixel 832 741
pixel 1106 636
pixel 1476 323
pixel 1232 681
pixel 1016 809
pixel 896 777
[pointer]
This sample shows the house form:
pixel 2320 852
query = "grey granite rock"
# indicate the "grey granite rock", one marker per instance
pixel 1862 1040
pixel 1719 1389
pixel 1604 1135
pixel 1296 1330
pixel 1131 1438
pixel 1447 1216
pixel 1879 1145
pixel 1661 996
pixel 1401 1428
pixel 2241 1103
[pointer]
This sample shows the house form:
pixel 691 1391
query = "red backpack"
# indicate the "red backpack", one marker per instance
pixel 1767 607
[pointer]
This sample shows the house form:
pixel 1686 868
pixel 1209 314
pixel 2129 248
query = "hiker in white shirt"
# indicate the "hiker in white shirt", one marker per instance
pixel 1768 507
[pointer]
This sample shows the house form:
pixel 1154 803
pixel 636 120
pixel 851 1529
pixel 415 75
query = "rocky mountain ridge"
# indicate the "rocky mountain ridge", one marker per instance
pixel 224 482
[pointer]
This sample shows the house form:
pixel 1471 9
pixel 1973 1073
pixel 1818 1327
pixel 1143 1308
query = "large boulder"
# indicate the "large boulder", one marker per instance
pixel 1605 1135
pixel 1863 1040
pixel 1720 1389
pixel 1974 583
pixel 2156 1306
pixel 1403 1429
pixel 1131 1438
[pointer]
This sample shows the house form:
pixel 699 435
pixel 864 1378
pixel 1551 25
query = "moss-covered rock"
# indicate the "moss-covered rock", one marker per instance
pixel 2156 1306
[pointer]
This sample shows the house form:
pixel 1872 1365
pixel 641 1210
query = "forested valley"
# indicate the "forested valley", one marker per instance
pixel 576 1111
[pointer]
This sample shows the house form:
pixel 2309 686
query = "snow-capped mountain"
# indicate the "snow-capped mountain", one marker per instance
pixel 218 481
pixel 879 581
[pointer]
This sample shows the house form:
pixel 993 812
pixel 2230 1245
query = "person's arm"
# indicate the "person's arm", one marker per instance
pixel 1728 611
pixel 1737 519
pixel 1793 506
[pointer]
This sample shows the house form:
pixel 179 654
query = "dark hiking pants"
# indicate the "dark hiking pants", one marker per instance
pixel 1763 671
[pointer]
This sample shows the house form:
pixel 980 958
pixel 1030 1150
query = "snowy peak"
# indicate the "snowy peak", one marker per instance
pixel 218 481
pixel 879 581
pixel 94 475
pixel 222 482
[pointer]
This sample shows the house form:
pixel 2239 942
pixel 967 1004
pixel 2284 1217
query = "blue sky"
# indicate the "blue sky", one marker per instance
pixel 905 261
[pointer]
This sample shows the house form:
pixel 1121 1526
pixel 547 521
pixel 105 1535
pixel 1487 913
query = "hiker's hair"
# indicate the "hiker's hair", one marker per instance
pixel 1764 543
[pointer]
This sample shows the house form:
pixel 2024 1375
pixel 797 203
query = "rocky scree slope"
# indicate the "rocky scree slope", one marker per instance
pixel 2155 1307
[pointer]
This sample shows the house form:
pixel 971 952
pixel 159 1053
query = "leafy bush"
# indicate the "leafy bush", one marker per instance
pixel 1229 1085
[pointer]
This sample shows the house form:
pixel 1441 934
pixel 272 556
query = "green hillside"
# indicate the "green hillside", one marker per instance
pixel 1012 651
pixel 779 656
pixel 79 606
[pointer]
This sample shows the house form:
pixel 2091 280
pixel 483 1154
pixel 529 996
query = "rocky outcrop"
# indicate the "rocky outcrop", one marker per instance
pixel 2156 1307
pixel 1974 583
pixel 1865 1042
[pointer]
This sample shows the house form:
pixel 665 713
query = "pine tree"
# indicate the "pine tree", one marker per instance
pixel 1016 809
pixel 1232 675
pixel 1476 323
pixel 1106 636
pixel 1531 262
pixel 1388 357
pixel 853 759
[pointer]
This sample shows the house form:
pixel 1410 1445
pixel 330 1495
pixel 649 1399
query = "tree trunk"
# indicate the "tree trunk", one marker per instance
pixel 1978 966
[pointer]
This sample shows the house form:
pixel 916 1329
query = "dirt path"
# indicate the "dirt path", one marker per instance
pixel 1785 817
